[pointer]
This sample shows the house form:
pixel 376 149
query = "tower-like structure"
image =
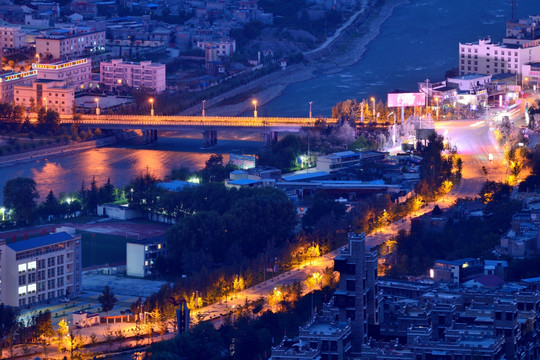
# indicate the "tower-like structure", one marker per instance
pixel 356 297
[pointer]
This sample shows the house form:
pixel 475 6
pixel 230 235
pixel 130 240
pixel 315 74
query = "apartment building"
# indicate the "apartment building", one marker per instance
pixel 117 73
pixel 222 47
pixel 12 37
pixel 40 270
pixel 51 94
pixel 141 256
pixel 76 73
pixel 69 44
pixel 9 80
pixel 487 57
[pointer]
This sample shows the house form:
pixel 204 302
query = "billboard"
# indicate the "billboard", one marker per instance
pixel 406 99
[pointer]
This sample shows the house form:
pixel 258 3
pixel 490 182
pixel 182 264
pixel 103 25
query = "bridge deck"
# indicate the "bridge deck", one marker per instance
pixel 137 121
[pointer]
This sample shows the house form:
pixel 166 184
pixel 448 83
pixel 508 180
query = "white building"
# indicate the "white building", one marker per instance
pixel 40 270
pixel 222 47
pixel 70 44
pixel 141 256
pixel 76 73
pixel 12 37
pixel 486 57
pixel 9 80
pixel 338 161
pixel 117 73
pixel 469 82
pixel 51 94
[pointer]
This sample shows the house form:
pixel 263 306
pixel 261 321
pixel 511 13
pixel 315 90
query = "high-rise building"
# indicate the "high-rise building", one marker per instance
pixel 356 297
pixel 40 270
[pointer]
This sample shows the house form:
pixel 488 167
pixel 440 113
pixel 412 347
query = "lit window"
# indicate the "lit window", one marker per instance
pixel 146 248
pixel 22 268
pixel 22 290
pixel 146 263
pixel 31 288
pixel 31 265
pixel 159 246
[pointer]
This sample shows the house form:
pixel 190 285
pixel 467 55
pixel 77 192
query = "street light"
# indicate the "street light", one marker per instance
pixel 437 108
pixel 373 102
pixel 45 101
pixel 311 102
pixel 151 100
pixel 254 102
pixel 203 102
pixel 37 57
pixel 97 106
pixel 3 211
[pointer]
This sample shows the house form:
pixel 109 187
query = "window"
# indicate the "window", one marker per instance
pixel 22 279
pixel 22 268
pixel 22 290
pixel 31 288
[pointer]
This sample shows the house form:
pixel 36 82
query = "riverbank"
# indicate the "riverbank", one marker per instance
pixel 30 156
pixel 347 48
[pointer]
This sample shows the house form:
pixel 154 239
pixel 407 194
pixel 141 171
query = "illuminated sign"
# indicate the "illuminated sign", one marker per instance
pixel 406 99
pixel 20 75
pixel 59 66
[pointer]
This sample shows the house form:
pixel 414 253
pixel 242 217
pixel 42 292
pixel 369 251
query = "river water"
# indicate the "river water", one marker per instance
pixel 124 162
pixel 419 41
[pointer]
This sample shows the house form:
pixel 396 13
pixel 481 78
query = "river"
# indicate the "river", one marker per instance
pixel 419 41
pixel 125 161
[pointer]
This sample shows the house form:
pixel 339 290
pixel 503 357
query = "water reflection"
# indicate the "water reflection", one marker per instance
pixel 124 162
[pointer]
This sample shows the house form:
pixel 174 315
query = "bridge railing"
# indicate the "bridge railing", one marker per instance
pixel 138 120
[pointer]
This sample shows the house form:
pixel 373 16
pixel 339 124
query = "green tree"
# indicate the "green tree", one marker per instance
pixel 50 207
pixel 8 322
pixel 42 325
pixel 20 195
pixel 144 193
pixel 106 192
pixel 107 299
pixel 92 199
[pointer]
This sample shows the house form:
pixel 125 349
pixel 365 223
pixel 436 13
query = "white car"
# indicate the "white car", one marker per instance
pixel 65 300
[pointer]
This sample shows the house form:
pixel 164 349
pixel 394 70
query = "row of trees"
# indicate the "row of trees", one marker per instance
pixel 21 197
pixel 14 119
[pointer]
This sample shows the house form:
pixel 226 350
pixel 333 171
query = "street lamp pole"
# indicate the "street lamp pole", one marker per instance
pixel 45 100
pixel 373 114
pixel 437 108
pixel 203 112
pixel 394 127
pixel 254 102
pixel 310 103
pixel 151 100
pixel 98 111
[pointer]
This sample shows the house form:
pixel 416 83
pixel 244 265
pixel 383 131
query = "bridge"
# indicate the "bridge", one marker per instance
pixel 209 125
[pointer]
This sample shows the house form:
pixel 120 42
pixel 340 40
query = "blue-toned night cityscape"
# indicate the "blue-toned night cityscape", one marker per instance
pixel 270 180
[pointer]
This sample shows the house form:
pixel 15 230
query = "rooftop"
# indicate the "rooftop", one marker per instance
pixel 40 241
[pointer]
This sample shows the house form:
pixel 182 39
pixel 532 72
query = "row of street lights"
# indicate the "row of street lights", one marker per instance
pixel 254 102
pixel 98 110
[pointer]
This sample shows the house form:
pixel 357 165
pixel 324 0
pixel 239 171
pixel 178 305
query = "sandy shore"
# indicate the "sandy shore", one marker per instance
pixel 273 84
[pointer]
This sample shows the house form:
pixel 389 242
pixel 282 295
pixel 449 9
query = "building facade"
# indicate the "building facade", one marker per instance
pixel 76 73
pixel 69 45
pixel 50 94
pixel 141 256
pixel 12 37
pixel 144 74
pixel 8 82
pixel 40 270
pixel 486 57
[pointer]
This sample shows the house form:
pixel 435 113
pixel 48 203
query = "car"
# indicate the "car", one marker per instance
pixel 65 300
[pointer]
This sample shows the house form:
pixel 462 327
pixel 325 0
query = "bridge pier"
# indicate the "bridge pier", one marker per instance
pixel 209 138
pixel 150 135
pixel 270 137
pixel 155 135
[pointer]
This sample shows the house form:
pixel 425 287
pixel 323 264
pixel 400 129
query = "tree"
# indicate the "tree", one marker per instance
pixel 50 207
pixel 20 195
pixel 144 193
pixel 107 299
pixel 106 193
pixel 42 325
pixel 8 322
pixel 92 199
pixel 48 120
